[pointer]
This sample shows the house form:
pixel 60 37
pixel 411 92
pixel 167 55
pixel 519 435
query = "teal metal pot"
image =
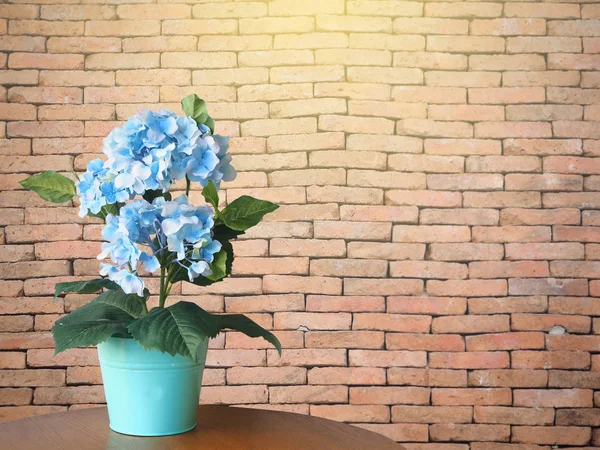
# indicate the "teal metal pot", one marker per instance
pixel 149 393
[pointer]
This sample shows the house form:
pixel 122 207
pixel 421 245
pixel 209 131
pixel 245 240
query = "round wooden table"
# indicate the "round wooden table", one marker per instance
pixel 219 428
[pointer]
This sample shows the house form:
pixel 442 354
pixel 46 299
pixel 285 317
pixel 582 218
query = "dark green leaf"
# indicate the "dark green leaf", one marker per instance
pixel 84 334
pixel 218 266
pixel 112 208
pixel 211 195
pixel 151 194
pixel 111 305
pixel 247 326
pixel 245 212
pixel 51 186
pixel 181 329
pixel 195 107
pixel 84 287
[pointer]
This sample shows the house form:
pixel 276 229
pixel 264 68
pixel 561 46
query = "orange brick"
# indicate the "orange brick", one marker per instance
pixel 491 396
pixel 508 378
pixel 389 395
pixel 471 324
pixel 471 432
pixel 427 377
pixel 347 375
pixel 389 358
pixel 552 435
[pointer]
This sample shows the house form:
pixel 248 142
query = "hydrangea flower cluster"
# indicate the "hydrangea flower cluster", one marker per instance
pixel 151 151
pixel 171 229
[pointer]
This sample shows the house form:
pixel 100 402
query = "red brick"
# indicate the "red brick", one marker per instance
pixel 224 395
pixel 427 342
pixel 493 396
pixel 552 435
pixel 431 414
pixel 470 360
pixel 507 269
pixel 391 322
pixel 261 375
pixel 427 305
pixel 514 416
pixel 366 286
pixel 391 358
pixel 505 341
pixel 427 377
pixel 460 216
pixel 465 252
pixel 557 398
pixel 574 305
pixel 590 380
pixel 508 378
pixel 42 377
pixel 578 417
pixel 389 395
pixel 499 305
pixel 347 375
pixel 473 288
pixel 545 322
pixel 308 394
pixel 519 216
pixel 547 286
pixel 344 339
pixel 550 360
pixel 308 357
pixel 544 251
pixel 469 432
pixel 12 360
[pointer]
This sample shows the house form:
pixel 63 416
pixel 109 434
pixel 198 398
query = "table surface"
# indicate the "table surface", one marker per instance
pixel 219 428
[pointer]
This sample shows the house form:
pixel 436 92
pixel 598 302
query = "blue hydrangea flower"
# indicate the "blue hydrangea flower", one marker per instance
pixel 184 225
pixel 141 151
pixel 188 232
pixel 175 231
pixel 128 281
pixel 89 188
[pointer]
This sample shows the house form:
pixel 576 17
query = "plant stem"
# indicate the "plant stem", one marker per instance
pixel 162 294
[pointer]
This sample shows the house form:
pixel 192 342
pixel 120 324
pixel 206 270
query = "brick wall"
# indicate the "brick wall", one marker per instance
pixel 434 269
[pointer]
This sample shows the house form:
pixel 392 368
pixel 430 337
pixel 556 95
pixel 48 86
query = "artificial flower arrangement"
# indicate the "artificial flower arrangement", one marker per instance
pixel 183 242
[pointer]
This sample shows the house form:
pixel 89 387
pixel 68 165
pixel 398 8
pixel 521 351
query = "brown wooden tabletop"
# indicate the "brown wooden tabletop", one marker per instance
pixel 219 428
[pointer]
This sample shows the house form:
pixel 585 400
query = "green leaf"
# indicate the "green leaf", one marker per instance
pixel 111 208
pixel 247 326
pixel 218 266
pixel 245 212
pixel 111 305
pixel 51 186
pixel 211 195
pixel 151 194
pixel 195 107
pixel 84 334
pixel 222 234
pixel 84 287
pixel 181 329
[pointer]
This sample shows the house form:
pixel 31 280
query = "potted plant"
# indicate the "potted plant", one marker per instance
pixel 152 358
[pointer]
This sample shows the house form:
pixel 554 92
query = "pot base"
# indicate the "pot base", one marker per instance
pixel 153 434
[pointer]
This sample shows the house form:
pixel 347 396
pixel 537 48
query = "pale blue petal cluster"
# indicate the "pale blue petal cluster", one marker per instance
pixel 175 231
pixel 188 233
pixel 151 151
